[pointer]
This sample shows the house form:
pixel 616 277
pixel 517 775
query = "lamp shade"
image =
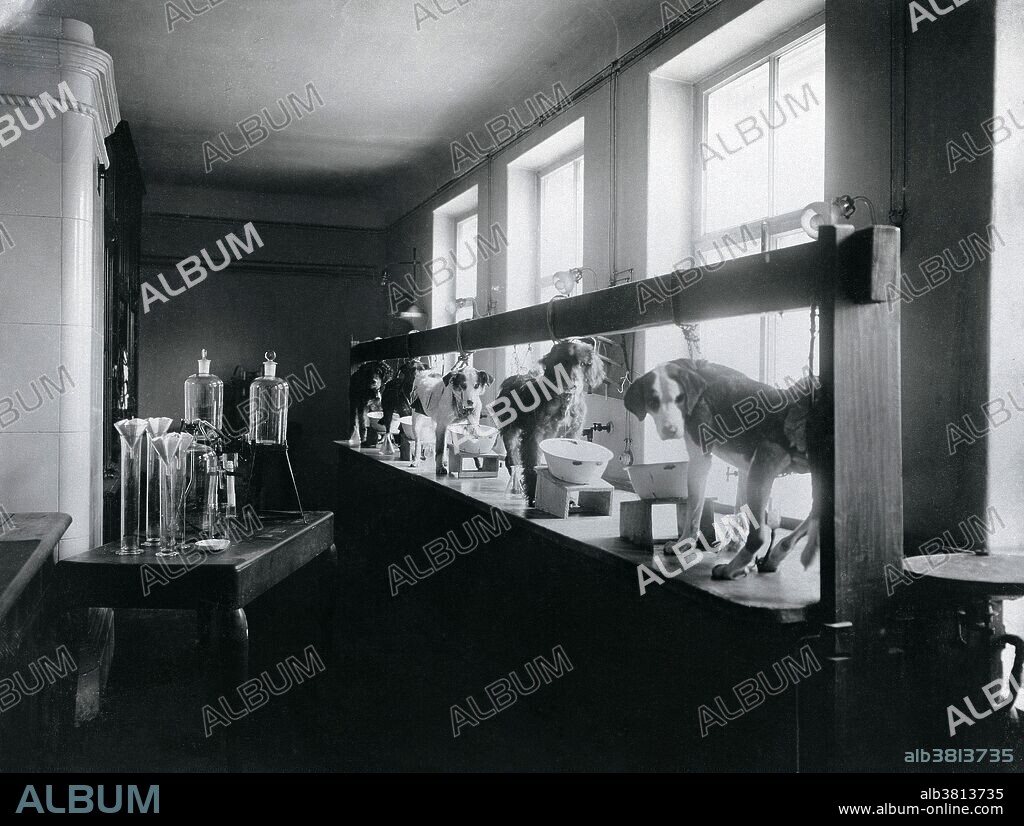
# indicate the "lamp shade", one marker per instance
pixel 814 216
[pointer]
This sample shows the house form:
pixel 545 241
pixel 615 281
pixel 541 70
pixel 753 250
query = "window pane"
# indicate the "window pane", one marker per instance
pixel 466 257
pixel 561 225
pixel 798 116
pixel 736 169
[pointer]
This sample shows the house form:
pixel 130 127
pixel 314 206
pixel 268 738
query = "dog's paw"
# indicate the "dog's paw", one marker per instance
pixel 722 572
pixel 767 564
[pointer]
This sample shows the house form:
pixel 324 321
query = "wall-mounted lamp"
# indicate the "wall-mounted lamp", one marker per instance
pixel 838 209
pixel 413 314
pixel 565 281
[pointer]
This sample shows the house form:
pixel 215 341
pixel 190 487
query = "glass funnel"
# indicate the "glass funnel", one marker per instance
pixel 268 406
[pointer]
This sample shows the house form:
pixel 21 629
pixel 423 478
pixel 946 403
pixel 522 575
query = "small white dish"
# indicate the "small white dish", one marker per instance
pixel 213 544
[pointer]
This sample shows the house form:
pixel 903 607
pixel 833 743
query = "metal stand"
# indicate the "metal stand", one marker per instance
pixel 256 447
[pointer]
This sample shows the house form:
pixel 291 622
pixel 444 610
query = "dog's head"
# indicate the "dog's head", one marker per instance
pixel 467 385
pixel 669 393
pixel 578 360
pixel 371 377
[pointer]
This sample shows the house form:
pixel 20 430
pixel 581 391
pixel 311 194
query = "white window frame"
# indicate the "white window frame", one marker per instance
pixel 766 227
pixel 471 300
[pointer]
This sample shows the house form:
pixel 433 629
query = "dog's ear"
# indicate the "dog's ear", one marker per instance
pixel 636 396
pixel 690 382
pixel 483 379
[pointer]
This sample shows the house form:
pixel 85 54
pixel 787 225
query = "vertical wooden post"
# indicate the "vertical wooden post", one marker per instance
pixel 859 461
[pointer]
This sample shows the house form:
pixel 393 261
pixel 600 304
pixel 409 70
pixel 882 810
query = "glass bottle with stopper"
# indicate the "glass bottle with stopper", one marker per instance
pixel 204 398
pixel 268 406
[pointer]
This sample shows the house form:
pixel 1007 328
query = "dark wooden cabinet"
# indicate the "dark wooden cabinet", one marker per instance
pixel 122 211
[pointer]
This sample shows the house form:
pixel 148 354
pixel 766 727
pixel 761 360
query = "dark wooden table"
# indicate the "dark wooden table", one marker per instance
pixel 218 585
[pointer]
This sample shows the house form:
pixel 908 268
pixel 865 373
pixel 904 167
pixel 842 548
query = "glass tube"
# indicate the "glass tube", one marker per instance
pixel 130 431
pixel 155 427
pixel 172 505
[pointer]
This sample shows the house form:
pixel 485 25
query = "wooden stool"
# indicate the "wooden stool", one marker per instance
pixel 636 520
pixel 485 465
pixel 554 496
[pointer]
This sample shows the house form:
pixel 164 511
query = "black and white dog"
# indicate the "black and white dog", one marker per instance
pixel 364 386
pixel 758 429
pixel 449 398
pixel 533 407
pixel 396 398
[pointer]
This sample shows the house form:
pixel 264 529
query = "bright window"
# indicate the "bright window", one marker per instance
pixel 556 196
pixel 465 267
pixel 760 150
pixel 561 224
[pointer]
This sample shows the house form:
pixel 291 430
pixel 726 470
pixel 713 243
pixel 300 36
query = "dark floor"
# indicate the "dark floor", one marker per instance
pixel 351 717
pixel 383 701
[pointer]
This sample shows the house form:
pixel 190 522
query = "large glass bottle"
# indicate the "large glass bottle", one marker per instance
pixel 204 396
pixel 268 406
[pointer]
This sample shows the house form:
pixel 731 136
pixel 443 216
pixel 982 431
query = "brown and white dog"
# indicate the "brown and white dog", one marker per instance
pixel 758 429
pixel 531 408
pixel 449 398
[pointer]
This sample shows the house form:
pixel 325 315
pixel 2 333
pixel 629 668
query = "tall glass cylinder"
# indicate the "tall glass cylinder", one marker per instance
pixel 130 431
pixel 211 511
pixel 199 461
pixel 154 428
pixel 172 486
pixel 172 449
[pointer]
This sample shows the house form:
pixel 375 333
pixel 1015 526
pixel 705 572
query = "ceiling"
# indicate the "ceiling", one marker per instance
pixel 396 90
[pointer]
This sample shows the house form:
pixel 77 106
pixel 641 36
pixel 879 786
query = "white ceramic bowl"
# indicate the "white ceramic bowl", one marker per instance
pixel 575 461
pixel 484 443
pixel 663 480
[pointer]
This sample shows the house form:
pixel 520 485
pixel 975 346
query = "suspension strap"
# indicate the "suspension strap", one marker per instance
pixel 691 332
pixel 549 317
pixel 458 337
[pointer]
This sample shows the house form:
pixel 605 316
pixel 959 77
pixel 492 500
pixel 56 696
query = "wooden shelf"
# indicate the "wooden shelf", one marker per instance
pixel 788 596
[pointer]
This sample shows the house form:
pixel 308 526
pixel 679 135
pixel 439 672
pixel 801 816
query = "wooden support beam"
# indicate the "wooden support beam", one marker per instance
pixel 857 452
pixel 737 287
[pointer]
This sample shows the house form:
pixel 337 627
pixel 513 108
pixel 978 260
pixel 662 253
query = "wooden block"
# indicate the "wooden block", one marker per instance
pixel 555 496
pixel 482 465
pixel 636 519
